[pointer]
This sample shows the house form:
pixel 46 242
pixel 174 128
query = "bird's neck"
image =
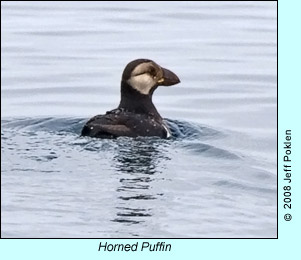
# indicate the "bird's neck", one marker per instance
pixel 133 101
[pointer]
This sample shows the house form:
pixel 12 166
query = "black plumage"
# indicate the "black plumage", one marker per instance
pixel 136 114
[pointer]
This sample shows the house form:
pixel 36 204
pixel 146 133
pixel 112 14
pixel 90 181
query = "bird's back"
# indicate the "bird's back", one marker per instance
pixel 119 122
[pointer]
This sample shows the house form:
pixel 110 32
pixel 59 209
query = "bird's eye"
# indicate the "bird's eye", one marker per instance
pixel 152 71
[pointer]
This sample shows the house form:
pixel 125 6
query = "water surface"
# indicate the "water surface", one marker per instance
pixel 61 64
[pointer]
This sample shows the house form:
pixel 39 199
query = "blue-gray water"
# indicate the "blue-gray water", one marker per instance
pixel 61 63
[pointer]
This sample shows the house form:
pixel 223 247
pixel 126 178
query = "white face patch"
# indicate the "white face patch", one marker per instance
pixel 141 79
pixel 142 68
pixel 143 83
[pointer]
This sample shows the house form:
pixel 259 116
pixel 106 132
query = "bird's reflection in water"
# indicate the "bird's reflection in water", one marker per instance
pixel 136 160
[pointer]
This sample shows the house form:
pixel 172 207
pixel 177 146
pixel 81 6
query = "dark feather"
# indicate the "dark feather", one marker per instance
pixel 121 123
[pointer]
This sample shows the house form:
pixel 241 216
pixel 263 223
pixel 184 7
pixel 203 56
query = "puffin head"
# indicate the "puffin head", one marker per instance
pixel 145 76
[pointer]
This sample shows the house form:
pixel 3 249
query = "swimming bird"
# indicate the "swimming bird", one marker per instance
pixel 136 114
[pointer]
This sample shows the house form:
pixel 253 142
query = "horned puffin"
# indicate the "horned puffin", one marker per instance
pixel 136 114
